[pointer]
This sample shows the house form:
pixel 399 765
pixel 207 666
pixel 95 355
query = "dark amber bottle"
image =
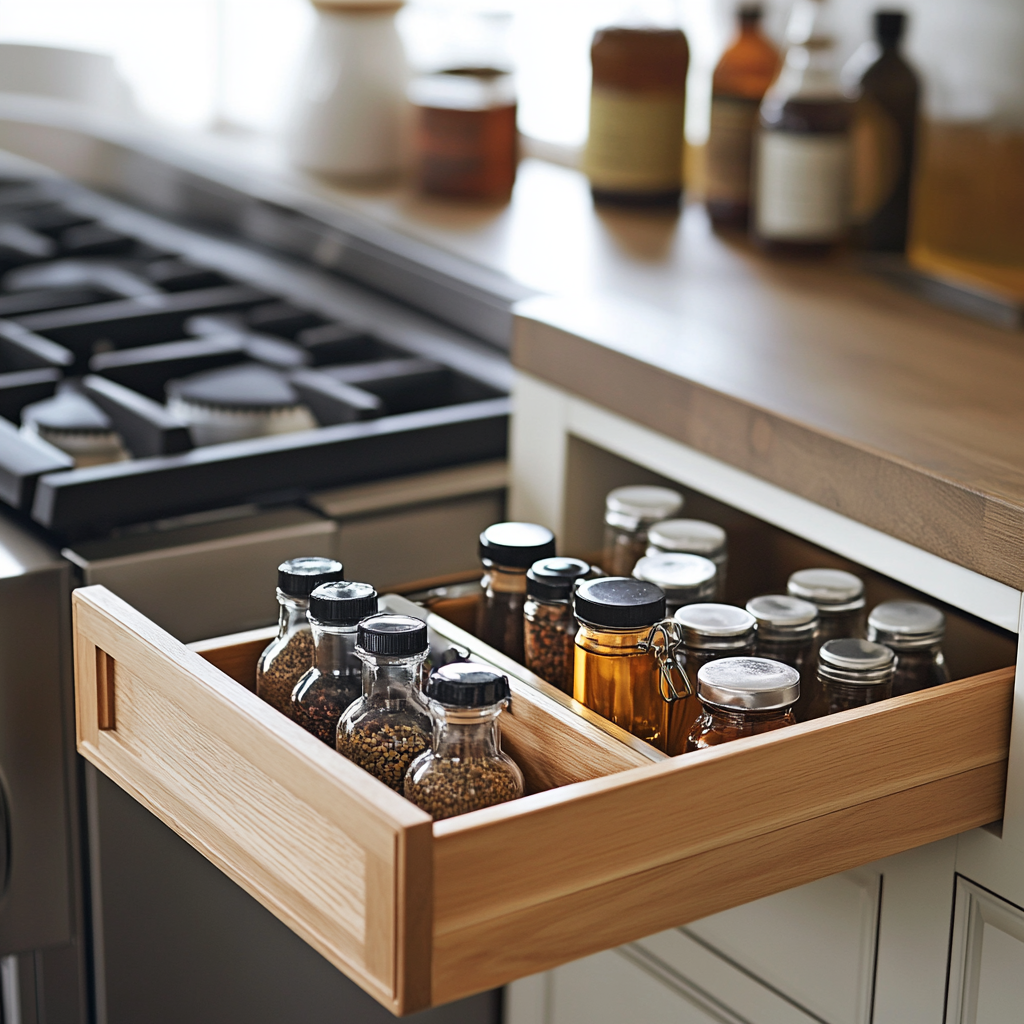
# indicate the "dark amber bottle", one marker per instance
pixel 740 81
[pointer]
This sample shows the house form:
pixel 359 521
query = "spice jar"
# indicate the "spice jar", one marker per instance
pixel 786 628
pixel 628 513
pixel 334 681
pixel 507 550
pixel 549 626
pixel 617 674
pixel 464 769
pixel 290 653
pixel 686 579
pixel 914 632
pixel 854 672
pixel 692 537
pixel 742 697
pixel 706 633
pixel 839 597
pixel 389 724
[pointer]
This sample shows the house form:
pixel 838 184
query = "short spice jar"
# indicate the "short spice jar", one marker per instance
pixel 507 550
pixel 628 514
pixel 854 672
pixel 914 631
pixel 742 697
pixel 617 674
pixel 465 768
pixel 692 537
pixel 335 680
pixel 549 626
pixel 290 653
pixel 389 724
pixel 786 627
pixel 839 596
pixel 686 579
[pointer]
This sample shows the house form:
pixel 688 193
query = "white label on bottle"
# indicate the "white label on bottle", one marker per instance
pixel 803 185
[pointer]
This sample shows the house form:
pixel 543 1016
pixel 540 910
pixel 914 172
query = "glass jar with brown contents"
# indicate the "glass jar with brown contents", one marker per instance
pixel 686 579
pixel 854 672
pixel 786 627
pixel 290 653
pixel 742 697
pixel 692 537
pixel 465 768
pixel 914 631
pixel 839 598
pixel 616 673
pixel 628 513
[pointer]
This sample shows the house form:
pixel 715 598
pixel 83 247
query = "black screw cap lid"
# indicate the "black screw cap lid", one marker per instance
pixel 467 684
pixel 299 577
pixel 342 604
pixel 398 636
pixel 889 26
pixel 552 579
pixel 619 602
pixel 516 545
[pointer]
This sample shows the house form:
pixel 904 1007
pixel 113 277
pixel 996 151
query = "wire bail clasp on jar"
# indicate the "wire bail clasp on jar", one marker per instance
pixel 666 655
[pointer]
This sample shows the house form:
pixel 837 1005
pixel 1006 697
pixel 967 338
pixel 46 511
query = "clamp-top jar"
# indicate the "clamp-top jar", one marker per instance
pixel 914 631
pixel 839 597
pixel 629 512
pixel 686 579
pixel 786 627
pixel 290 654
pixel 854 672
pixel 692 537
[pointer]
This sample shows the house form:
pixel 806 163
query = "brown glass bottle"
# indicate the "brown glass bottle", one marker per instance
pixel 740 81
pixel 634 153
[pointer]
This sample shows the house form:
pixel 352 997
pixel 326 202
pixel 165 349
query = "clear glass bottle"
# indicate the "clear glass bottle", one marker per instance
pixel 706 633
pixel 628 513
pixel 686 579
pixel 549 626
pixel 742 697
pixel 389 724
pixel 464 769
pixel 853 673
pixel 507 550
pixel 335 680
pixel 290 653
pixel 692 537
pixel 616 674
pixel 914 631
pixel 786 628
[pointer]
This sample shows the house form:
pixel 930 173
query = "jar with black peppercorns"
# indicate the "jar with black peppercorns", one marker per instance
pixel 465 769
pixel 549 628
pixel 389 724
pixel 335 680
pixel 290 653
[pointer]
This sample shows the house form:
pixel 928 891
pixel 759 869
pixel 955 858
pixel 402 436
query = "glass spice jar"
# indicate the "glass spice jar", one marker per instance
pixel 686 579
pixel 914 631
pixel 854 672
pixel 616 673
pixel 507 550
pixel 290 653
pixel 334 681
pixel 786 628
pixel 464 769
pixel 692 537
pixel 549 626
pixel 742 697
pixel 628 513
pixel 706 633
pixel 839 596
pixel 389 724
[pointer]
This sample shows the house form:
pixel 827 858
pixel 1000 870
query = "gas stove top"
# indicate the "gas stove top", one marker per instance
pixel 148 370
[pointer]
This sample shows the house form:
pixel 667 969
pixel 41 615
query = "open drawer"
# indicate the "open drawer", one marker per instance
pixel 609 847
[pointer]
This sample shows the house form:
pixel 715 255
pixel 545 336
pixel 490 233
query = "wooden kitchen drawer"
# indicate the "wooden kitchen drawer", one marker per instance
pixel 611 846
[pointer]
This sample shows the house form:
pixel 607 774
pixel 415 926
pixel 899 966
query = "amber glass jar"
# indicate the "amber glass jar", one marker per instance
pixel 634 152
pixel 507 550
pixel 706 633
pixel 914 631
pixel 853 673
pixel 786 628
pixel 628 514
pixel 742 697
pixel 692 537
pixel 686 579
pixel 616 675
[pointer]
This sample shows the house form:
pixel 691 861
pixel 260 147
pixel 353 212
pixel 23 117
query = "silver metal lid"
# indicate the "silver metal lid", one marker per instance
pixel 684 578
pixel 832 590
pixel 717 626
pixel 632 507
pixel 855 661
pixel 692 536
pixel 748 684
pixel 906 625
pixel 782 617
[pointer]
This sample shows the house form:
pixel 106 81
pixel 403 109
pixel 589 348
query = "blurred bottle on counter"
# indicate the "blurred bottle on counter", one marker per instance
pixel 741 79
pixel 887 95
pixel 803 146
pixel 634 151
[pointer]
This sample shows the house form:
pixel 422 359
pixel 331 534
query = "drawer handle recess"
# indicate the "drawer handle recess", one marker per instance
pixel 104 690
